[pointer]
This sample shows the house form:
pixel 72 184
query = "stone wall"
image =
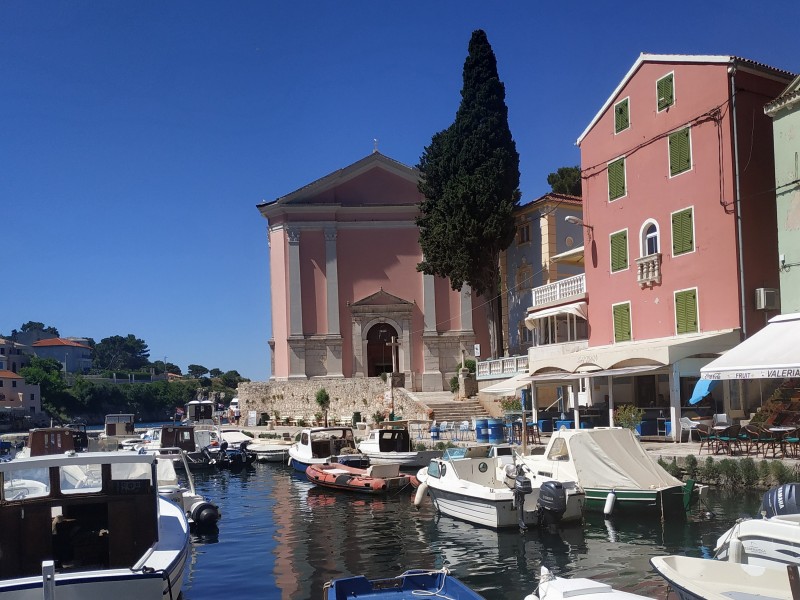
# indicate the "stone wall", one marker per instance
pixel 365 395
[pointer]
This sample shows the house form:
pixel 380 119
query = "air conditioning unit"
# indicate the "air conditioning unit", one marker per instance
pixel 767 299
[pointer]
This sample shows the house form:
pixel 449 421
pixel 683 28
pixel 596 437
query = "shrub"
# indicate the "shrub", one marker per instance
pixel 691 466
pixel 764 472
pixel 670 467
pixel 709 472
pixel 511 404
pixel 729 472
pixel 780 472
pixel 454 384
pixel 628 416
pixel 420 447
pixel 749 472
pixel 377 416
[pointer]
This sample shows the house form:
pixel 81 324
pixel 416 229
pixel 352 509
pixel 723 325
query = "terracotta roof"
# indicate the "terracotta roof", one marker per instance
pixel 554 197
pixel 5 374
pixel 59 342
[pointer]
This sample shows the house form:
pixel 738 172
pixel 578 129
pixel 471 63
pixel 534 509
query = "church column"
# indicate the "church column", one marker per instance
pixel 466 308
pixel 297 350
pixel 334 337
pixel 432 375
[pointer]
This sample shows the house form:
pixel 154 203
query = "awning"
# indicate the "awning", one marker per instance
pixel 621 371
pixel 573 256
pixel 702 389
pixel 576 308
pixel 772 353
pixel 508 386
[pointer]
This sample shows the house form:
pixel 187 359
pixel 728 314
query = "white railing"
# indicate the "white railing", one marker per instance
pixel 496 368
pixel 560 290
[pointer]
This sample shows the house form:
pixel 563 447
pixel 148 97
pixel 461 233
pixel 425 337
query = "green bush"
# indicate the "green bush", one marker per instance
pixel 690 464
pixel 454 384
pixel 729 472
pixel 764 472
pixel 670 467
pixel 749 472
pixel 709 472
pixel 780 472
pixel 511 404
pixel 420 447
pixel 628 416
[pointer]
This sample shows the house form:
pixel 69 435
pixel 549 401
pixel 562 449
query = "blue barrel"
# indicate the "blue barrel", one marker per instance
pixel 482 431
pixel 496 435
pixel 435 433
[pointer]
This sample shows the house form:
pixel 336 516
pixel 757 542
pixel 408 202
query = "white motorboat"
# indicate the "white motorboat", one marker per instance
pixel 274 451
pixel 318 445
pixel 200 442
pixel 391 443
pixel 706 579
pixel 478 485
pixel 202 514
pixel 89 525
pixel 558 588
pixel 613 469
pixel 117 429
pixel 772 541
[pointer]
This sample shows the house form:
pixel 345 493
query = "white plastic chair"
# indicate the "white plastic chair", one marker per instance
pixel 447 427
pixel 689 426
pixel 722 419
pixel 463 430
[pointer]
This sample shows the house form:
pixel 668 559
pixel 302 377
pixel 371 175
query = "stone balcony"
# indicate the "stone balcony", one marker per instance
pixel 648 270
pixel 559 291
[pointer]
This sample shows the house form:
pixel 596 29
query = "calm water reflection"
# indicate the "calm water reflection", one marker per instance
pixel 281 537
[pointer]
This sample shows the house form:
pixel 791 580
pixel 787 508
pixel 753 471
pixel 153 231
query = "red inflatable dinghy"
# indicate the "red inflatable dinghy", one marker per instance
pixel 377 479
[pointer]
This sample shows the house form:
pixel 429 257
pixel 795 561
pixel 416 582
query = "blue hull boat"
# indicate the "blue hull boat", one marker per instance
pixel 410 585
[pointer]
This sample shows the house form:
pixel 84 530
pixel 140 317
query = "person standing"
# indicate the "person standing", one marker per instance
pixel 236 415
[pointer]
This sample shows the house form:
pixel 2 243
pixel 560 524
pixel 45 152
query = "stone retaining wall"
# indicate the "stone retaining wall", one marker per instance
pixel 365 395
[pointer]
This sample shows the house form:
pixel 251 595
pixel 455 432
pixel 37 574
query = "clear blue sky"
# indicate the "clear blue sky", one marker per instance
pixel 137 137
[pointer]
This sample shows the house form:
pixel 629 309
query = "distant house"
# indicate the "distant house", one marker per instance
pixel 785 113
pixel 13 355
pixel 15 394
pixel 76 356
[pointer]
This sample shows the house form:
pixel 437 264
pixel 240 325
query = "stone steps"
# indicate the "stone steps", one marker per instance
pixel 445 408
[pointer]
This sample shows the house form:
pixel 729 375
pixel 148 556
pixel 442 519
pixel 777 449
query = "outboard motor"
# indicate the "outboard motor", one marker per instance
pixel 204 514
pixel 522 487
pixel 782 500
pixel 552 502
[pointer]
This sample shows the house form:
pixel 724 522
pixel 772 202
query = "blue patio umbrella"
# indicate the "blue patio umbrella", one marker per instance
pixel 702 389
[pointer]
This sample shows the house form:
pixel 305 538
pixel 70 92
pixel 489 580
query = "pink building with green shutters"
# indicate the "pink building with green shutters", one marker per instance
pixel 344 251
pixel 679 208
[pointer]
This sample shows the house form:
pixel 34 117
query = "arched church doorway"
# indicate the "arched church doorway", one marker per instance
pixel 379 355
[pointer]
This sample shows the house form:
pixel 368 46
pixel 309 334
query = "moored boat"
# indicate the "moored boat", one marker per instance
pixel 558 588
pixel 706 579
pixel 391 443
pixel 478 485
pixel 375 479
pixel 614 471
pixel 408 586
pixel 89 525
pixel 318 445
pixel 201 513
pixel 772 541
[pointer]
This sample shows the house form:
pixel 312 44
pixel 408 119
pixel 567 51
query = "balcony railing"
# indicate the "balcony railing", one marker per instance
pixel 501 367
pixel 560 290
pixel 648 270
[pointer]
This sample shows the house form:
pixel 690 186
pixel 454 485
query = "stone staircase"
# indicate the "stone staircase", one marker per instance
pixel 446 408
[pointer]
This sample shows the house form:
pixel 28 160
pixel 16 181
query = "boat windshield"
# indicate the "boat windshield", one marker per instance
pixel 26 483
pixel 452 453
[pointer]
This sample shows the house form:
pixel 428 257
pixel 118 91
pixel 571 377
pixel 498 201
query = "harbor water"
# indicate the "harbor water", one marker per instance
pixel 281 537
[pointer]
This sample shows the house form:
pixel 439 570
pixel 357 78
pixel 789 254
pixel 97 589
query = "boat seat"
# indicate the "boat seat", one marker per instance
pixel 387 470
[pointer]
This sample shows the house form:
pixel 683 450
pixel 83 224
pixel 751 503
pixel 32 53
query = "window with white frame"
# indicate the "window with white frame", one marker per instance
pixel 524 233
pixel 650 239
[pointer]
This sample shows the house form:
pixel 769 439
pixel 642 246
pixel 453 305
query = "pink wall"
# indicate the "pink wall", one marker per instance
pixel 280 326
pixel 313 282
pixel 653 194
pixel 373 187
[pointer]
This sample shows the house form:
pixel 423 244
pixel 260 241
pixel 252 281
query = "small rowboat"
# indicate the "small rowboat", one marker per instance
pixel 377 479
pixel 408 586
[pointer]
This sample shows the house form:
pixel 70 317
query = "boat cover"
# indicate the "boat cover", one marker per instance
pixel 611 458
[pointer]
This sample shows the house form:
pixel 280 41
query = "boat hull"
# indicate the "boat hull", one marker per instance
pixel 773 542
pixel 408 586
pixel 670 499
pixel 406 460
pixel 341 477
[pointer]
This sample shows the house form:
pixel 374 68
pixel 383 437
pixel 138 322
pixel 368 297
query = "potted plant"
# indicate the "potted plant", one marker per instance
pixel 628 416
pixel 324 401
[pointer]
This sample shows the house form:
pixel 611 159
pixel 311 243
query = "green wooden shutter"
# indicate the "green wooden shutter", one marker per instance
pixel 619 251
pixel 665 92
pixel 616 179
pixel 621 117
pixel 682 238
pixel 680 158
pixel 622 322
pixel 686 311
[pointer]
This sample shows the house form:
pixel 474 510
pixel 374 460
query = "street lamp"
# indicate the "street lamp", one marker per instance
pixel 573 220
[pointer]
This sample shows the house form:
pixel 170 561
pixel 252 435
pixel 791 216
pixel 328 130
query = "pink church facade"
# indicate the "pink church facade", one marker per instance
pixel 343 257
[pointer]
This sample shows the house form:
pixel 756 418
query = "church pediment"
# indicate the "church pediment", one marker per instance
pixel 381 298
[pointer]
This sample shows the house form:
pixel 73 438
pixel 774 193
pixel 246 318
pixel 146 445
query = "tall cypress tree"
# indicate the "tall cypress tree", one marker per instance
pixel 470 180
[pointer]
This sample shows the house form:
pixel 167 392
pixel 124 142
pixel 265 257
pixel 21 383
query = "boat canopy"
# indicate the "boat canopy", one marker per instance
pixel 608 458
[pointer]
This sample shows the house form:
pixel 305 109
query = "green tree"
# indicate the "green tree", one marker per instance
pixel 37 326
pixel 46 373
pixel 470 181
pixel 567 180
pixel 117 353
pixel 324 402
pixel 231 379
pixel 215 372
pixel 196 371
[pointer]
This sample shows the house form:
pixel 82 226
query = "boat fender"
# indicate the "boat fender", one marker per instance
pixel 735 551
pixel 204 514
pixel 610 501
pixel 422 490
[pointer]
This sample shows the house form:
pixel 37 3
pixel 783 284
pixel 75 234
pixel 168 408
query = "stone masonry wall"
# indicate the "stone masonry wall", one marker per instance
pixel 366 395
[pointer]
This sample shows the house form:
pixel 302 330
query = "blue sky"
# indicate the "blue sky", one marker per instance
pixel 137 137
